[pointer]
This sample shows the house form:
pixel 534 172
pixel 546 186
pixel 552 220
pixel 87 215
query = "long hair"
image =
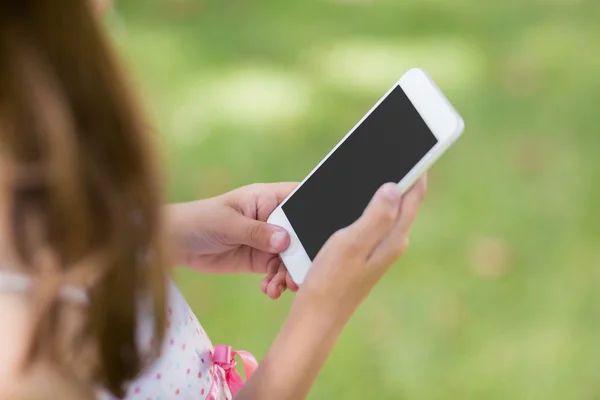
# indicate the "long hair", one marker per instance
pixel 82 189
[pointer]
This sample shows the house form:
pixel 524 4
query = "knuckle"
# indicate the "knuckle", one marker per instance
pixel 385 214
pixel 352 244
pixel 400 248
pixel 391 252
pixel 339 235
pixel 414 198
pixel 346 241
pixel 254 231
pixel 256 189
pixel 337 239
pixel 421 191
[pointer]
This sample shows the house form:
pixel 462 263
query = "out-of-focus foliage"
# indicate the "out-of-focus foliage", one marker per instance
pixel 499 295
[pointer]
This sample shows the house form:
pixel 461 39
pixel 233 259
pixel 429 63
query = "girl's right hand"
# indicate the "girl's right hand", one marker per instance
pixel 356 257
pixel 342 274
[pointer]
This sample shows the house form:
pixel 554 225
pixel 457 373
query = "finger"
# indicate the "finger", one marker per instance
pixel 273 269
pixel 283 190
pixel 277 285
pixel 259 235
pixel 378 218
pixel 264 284
pixel 289 282
pixel 271 195
pixel 396 241
pixel 275 292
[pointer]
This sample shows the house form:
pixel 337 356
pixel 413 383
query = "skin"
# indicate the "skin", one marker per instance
pixel 101 6
pixel 13 309
pixel 228 234
pixel 341 277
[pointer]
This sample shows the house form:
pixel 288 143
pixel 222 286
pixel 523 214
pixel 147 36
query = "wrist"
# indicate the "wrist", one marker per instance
pixel 176 220
pixel 299 352
pixel 333 314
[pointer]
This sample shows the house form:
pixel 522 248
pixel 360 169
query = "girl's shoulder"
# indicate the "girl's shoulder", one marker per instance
pixel 185 368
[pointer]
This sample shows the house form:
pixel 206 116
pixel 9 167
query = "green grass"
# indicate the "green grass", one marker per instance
pixel 498 297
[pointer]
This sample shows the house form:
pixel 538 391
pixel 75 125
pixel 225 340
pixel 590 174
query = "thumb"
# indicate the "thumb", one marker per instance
pixel 260 235
pixel 379 217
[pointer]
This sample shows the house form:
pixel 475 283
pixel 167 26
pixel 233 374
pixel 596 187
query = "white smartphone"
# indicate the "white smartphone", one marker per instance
pixel 397 141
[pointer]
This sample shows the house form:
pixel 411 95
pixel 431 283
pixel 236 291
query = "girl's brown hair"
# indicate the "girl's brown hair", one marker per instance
pixel 82 189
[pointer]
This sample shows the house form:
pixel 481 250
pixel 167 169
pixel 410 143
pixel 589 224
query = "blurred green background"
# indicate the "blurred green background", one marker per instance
pixel 499 294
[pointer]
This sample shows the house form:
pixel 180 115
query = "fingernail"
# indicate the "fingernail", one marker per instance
pixel 391 192
pixel 277 240
pixel 279 289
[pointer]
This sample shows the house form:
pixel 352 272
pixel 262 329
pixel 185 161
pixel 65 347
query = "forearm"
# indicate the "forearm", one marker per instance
pixel 297 355
pixel 177 237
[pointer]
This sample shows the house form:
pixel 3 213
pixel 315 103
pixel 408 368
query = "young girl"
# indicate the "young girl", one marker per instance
pixel 86 310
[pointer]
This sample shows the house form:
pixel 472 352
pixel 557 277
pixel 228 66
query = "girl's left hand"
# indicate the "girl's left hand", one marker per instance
pixel 228 234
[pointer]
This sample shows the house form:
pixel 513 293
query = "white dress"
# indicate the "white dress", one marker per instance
pixel 185 369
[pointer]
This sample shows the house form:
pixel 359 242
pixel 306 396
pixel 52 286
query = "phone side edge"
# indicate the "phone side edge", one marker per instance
pixel 434 107
pixel 295 258
pixel 425 163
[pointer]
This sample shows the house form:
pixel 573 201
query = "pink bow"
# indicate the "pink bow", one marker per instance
pixel 224 366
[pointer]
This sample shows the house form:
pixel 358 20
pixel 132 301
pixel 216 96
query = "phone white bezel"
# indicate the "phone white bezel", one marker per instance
pixel 437 113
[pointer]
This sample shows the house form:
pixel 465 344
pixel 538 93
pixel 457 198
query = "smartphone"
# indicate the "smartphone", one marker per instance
pixel 397 141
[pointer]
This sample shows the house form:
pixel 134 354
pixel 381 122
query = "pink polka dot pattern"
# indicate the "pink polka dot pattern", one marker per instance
pixel 183 371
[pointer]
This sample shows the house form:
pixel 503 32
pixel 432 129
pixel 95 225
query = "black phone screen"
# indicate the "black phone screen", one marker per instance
pixel 383 148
